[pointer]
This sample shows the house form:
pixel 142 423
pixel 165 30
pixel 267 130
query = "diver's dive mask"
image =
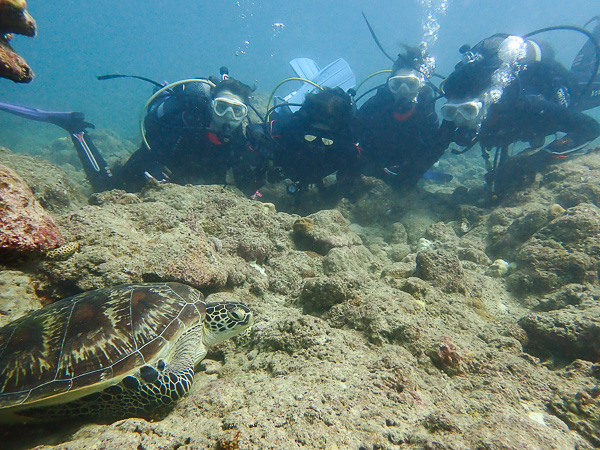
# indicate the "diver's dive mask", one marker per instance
pixel 468 111
pixel 234 109
pixel 312 138
pixel 409 84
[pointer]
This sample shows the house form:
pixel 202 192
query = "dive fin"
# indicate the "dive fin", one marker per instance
pixel 94 165
pixel 305 68
pixel 336 74
pixel 73 122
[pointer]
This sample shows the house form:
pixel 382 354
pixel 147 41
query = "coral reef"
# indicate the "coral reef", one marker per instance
pixel 14 18
pixel 382 326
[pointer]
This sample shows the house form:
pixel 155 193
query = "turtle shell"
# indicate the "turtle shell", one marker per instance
pixel 91 340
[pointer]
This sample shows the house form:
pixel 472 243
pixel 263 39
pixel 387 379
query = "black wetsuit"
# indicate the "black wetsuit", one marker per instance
pixel 183 149
pixel 540 101
pixel 535 106
pixel 307 163
pixel 399 146
pixel 543 99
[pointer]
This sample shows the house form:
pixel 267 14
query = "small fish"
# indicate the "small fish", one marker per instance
pixel 63 252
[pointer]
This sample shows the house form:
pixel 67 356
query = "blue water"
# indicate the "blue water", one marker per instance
pixel 171 40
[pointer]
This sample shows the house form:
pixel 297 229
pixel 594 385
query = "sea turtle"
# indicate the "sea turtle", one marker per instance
pixel 117 352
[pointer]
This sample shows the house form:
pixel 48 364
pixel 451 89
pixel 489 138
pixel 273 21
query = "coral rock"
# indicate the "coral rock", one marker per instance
pixel 331 230
pixel 303 225
pixel 442 268
pixel 14 18
pixel 24 225
pixel 569 334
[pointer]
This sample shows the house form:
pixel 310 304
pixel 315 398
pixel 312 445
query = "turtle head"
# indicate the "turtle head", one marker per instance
pixel 224 320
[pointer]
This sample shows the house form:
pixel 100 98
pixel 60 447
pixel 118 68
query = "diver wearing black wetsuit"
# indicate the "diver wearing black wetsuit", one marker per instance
pixel 539 97
pixel 193 134
pixel 312 143
pixel 185 143
pixel 400 126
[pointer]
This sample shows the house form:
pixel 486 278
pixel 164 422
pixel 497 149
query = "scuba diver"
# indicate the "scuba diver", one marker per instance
pixel 191 133
pixel 510 88
pixel 399 125
pixel 308 145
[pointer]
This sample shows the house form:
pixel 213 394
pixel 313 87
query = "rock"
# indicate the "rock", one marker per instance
pixel 473 254
pixel 398 234
pixel 440 232
pixel 562 252
pixel 447 357
pixel 168 234
pixel 399 270
pixel 24 225
pixel 14 18
pixel 116 196
pixel 50 185
pixel 571 294
pixel 303 225
pixel 555 211
pixel 442 268
pixel 424 244
pixel 320 294
pixel 356 261
pixel 566 334
pixel 580 410
pixel 519 231
pixel 17 296
pixel 330 230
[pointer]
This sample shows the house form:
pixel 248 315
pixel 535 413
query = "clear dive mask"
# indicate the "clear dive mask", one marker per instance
pixel 223 106
pixel 405 84
pixel 467 110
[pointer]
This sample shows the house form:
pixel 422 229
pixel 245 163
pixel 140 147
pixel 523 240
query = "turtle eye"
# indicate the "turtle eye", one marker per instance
pixel 236 314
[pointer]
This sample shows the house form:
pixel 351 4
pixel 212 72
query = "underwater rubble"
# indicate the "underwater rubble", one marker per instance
pixel 415 320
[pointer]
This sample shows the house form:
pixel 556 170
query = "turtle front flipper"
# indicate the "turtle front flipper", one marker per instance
pixel 149 393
